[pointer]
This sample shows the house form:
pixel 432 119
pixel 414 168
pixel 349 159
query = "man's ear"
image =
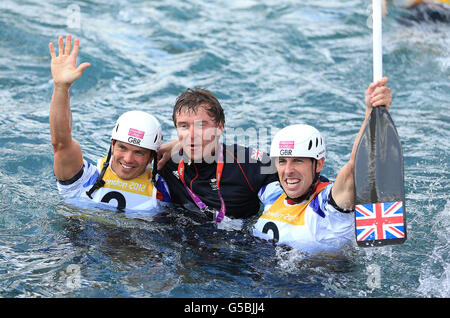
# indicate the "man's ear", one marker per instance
pixel 320 164
pixel 219 129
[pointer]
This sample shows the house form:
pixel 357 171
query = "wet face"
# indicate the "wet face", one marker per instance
pixel 296 174
pixel 129 161
pixel 198 133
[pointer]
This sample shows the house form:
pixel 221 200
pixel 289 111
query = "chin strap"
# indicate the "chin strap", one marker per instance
pixel 99 183
pixel 154 154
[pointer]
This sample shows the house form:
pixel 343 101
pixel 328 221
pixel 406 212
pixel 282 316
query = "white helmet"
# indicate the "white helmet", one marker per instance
pixel 298 141
pixel 139 129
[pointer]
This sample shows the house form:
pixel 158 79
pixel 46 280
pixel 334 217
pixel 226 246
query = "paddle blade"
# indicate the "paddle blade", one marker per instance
pixel 380 217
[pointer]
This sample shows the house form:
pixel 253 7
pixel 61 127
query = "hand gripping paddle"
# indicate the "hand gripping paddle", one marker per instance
pixel 379 181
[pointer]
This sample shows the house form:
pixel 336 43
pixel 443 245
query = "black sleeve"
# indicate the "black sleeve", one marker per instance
pixel 334 204
pixel 73 179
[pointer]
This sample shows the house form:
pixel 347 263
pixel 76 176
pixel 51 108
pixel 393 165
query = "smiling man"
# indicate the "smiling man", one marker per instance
pixel 205 174
pixel 124 178
pixel 304 210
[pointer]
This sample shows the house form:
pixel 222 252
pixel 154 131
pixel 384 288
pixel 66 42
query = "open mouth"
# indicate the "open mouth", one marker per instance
pixel 292 184
pixel 126 167
pixel 195 148
pixel 292 181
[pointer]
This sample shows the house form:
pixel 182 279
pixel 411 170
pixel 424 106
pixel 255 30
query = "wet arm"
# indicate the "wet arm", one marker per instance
pixel 343 189
pixel 68 159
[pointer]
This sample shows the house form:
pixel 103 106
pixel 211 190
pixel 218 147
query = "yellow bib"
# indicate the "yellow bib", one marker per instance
pixel 135 194
pixel 282 212
pixel 292 214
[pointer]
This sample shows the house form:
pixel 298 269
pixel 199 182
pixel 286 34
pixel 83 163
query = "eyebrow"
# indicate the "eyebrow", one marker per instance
pixel 124 145
pixel 196 121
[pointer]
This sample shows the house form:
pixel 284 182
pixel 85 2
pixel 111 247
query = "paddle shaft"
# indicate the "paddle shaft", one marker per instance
pixel 377 41
pixel 377 75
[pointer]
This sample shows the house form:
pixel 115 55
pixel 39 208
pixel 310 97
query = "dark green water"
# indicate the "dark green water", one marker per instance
pixel 271 63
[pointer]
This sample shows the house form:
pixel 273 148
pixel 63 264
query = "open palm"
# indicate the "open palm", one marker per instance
pixel 64 67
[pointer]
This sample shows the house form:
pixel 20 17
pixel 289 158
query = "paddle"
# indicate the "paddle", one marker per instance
pixel 379 181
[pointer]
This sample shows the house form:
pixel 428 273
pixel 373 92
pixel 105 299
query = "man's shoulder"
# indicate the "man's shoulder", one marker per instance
pixel 254 164
pixel 169 166
pixel 83 180
pixel 86 171
pixel 235 153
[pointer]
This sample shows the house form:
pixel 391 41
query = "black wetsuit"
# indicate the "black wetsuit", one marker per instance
pixel 241 180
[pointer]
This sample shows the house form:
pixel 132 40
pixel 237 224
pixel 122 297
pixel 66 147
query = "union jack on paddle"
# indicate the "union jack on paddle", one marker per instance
pixel 379 221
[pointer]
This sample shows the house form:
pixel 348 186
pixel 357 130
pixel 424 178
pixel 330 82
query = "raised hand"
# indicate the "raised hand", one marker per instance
pixel 378 94
pixel 64 67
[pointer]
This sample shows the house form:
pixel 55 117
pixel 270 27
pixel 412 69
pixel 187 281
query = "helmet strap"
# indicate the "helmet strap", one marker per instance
pixel 99 183
pixel 154 154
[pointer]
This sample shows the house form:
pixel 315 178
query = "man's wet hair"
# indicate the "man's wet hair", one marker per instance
pixel 192 99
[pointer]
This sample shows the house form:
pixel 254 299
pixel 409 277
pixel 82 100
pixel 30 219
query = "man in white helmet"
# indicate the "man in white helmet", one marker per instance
pixel 124 178
pixel 304 210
